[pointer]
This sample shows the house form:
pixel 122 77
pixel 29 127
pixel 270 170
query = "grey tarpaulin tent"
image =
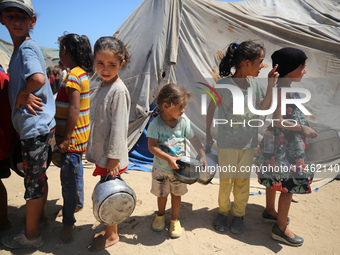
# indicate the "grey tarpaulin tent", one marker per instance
pixel 182 41
pixel 51 56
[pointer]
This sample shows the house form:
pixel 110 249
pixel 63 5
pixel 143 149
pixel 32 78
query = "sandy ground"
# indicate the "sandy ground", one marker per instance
pixel 315 217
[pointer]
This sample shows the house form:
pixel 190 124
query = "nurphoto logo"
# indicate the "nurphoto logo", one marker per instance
pixel 238 104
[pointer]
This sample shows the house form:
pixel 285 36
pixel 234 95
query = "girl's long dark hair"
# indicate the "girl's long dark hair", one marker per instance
pixel 80 50
pixel 236 53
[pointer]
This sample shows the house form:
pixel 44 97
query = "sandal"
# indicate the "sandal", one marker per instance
pixel 159 223
pixel 237 226
pixel 175 229
pixel 279 235
pixel 268 218
pixel 20 241
pixel 220 223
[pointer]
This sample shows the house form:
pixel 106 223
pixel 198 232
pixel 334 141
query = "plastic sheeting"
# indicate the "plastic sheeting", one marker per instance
pixel 182 41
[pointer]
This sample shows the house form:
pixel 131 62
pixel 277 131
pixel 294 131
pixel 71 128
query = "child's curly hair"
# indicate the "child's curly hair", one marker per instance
pixel 171 94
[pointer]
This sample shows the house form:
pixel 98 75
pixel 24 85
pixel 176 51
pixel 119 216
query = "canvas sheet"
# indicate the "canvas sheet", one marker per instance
pixel 182 41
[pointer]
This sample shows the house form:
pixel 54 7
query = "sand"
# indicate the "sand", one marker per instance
pixel 315 217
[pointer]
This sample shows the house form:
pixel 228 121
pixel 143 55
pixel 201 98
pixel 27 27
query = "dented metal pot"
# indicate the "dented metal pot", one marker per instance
pixel 113 200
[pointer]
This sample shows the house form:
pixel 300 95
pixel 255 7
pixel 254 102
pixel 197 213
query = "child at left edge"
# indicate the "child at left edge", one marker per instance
pixel 33 109
pixel 73 124
pixel 7 139
pixel 110 109
pixel 167 133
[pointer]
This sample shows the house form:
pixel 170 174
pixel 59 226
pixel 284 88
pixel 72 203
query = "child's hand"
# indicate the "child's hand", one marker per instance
pixel 64 146
pixel 203 160
pixel 208 138
pixel 309 132
pixel 273 77
pixel 30 101
pixel 172 162
pixel 113 166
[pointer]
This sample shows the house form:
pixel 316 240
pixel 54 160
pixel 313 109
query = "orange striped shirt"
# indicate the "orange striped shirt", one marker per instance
pixel 76 79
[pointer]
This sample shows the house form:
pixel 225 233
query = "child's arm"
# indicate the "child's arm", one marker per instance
pixel 198 147
pixel 209 119
pixel 152 144
pixel 72 118
pixel 26 98
pixel 113 166
pixel 272 80
pixel 306 130
pixel 119 124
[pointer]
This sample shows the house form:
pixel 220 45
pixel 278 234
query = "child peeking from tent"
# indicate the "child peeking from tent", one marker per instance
pixel 166 140
pixel 236 142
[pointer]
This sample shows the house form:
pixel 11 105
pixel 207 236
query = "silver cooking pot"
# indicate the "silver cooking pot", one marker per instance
pixel 113 200
pixel 207 173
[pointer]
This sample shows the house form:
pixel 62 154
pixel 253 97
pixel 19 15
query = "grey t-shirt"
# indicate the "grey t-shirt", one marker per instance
pixel 237 136
pixel 109 123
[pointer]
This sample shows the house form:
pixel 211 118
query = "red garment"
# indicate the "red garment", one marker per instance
pixel 51 79
pixel 7 131
pixel 103 171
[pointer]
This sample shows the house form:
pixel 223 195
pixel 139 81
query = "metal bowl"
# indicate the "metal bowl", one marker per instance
pixel 113 200
pixel 207 173
pixel 56 157
pixel 189 169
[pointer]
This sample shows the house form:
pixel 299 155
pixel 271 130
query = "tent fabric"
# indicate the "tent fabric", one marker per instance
pixel 182 41
pixel 139 156
pixel 51 56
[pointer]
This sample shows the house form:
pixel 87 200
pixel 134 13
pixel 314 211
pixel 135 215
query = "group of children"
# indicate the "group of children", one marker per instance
pixel 55 76
pixel 96 130
pixel 36 117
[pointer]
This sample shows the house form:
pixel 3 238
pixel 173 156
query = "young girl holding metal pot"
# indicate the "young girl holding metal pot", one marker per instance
pixel 110 109
pixel 167 133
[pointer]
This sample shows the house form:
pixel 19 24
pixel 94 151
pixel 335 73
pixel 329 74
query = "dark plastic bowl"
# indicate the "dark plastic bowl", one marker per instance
pixel 56 158
pixel 189 169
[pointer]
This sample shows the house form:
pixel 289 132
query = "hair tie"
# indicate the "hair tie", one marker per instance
pixel 237 44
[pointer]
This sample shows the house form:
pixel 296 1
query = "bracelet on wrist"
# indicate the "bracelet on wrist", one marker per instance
pixel 302 129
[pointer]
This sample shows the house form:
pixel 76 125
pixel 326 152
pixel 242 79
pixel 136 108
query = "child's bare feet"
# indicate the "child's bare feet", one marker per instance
pixel 67 234
pixel 60 213
pixel 5 224
pixel 103 240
